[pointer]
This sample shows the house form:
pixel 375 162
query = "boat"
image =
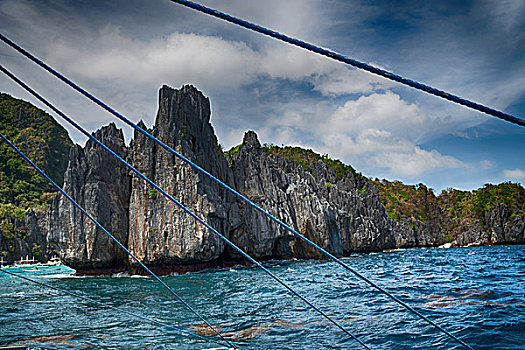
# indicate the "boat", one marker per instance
pixel 34 268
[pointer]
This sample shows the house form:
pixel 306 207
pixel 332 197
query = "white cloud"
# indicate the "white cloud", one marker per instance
pixel 380 111
pixel 381 149
pixel 505 14
pixel 515 175
pixel 180 58
pixel 380 130
pixel 327 76
pixel 294 17
pixel 415 162
pixel 210 62
pixel 383 111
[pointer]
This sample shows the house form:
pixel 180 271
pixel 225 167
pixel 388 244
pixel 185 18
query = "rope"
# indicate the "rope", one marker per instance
pixel 225 186
pixel 341 58
pixel 371 69
pixel 112 237
pixel 176 329
pixel 180 205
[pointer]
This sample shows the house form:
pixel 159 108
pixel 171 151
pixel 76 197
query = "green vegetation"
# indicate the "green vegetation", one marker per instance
pixel 400 200
pixel 511 194
pixel 307 157
pixel 153 193
pixel 453 209
pixel 461 204
pixel 22 188
pixel 47 144
pixel 43 140
pixel 229 154
pixel 36 250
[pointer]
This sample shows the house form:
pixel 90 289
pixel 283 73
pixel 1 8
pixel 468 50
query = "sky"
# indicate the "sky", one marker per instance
pixel 123 51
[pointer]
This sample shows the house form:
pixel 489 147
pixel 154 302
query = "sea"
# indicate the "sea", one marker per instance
pixel 476 293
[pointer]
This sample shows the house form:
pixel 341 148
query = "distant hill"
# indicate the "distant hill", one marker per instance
pixel 43 140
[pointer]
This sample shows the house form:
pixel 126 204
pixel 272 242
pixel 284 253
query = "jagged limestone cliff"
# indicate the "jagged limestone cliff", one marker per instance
pixel 160 232
pixel 323 199
pixel 493 214
pixel 339 213
pixel 101 185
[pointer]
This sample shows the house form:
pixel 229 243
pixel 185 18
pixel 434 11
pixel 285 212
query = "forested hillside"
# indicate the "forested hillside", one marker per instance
pixel 46 143
pixel 43 140
pixel 454 210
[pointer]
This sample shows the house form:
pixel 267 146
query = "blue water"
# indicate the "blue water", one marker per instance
pixel 476 293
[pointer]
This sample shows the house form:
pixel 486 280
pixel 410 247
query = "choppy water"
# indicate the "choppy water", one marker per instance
pixel 476 293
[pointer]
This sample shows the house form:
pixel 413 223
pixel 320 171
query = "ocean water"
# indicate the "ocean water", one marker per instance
pixel 477 293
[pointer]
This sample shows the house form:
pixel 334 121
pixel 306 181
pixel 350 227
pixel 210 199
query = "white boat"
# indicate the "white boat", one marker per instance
pixel 34 268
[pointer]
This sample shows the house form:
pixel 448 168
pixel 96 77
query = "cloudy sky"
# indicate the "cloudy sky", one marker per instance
pixel 124 50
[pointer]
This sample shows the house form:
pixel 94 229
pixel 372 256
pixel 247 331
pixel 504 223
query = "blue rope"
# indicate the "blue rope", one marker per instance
pixel 341 58
pixel 146 318
pixel 225 186
pixel 180 205
pixel 111 236
pixel 381 72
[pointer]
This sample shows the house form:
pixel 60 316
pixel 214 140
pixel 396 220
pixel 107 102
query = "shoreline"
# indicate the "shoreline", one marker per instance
pixel 171 270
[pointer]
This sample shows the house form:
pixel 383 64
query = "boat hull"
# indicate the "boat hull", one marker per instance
pixel 39 270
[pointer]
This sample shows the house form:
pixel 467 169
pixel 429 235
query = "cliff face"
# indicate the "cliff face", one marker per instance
pixel 323 199
pixel 498 227
pixel 505 227
pixel 101 185
pixel 159 231
pixel 331 211
pixel 24 235
pixel 493 214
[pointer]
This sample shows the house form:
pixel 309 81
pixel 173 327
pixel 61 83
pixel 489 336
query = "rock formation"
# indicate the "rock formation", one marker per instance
pixel 101 185
pixel 499 227
pixel 327 209
pixel 159 231
pixel 26 236
pixel 339 210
